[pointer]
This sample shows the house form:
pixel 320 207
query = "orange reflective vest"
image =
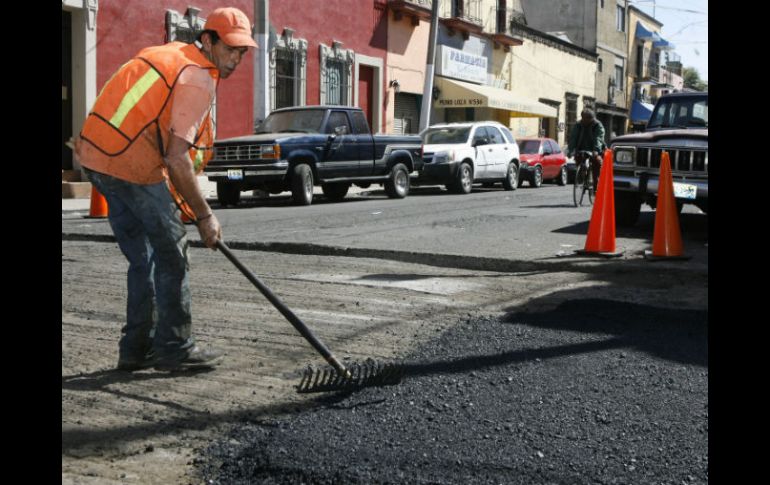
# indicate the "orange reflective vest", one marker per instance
pixel 136 99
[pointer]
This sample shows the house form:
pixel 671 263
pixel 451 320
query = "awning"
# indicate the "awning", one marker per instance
pixel 640 112
pixel 663 44
pixel 643 33
pixel 459 94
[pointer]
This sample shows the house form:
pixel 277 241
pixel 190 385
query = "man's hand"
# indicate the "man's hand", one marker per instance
pixel 210 231
pixel 180 171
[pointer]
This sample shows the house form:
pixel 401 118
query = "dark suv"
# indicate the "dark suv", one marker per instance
pixel 678 125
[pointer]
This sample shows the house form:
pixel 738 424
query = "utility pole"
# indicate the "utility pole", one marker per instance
pixel 261 62
pixel 427 93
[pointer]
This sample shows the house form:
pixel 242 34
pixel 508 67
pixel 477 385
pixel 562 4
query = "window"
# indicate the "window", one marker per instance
pixel 619 74
pixel 621 19
pixel 336 75
pixel 360 126
pixel 494 135
pixel 338 119
pixel 285 79
pixel 336 88
pixel 508 135
pixel 602 3
pixel 570 113
pixel 600 64
pixel 554 146
pixel 288 61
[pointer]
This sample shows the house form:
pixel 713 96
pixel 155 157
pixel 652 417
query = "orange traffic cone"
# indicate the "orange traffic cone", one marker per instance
pixel 601 229
pixel 98 204
pixel 667 240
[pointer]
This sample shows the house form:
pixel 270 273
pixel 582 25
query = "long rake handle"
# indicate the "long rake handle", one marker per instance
pixel 290 316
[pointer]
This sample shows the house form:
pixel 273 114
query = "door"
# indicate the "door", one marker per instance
pixel 483 152
pixel 366 93
pixel 341 149
pixel 406 115
pixel 498 165
pixel 364 144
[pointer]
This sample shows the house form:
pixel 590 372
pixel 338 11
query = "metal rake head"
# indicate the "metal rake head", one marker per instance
pixel 370 373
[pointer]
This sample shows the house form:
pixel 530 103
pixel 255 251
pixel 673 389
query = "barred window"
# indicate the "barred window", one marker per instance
pixel 286 79
pixel 336 83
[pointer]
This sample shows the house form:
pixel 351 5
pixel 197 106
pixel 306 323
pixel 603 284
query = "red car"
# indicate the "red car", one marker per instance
pixel 541 159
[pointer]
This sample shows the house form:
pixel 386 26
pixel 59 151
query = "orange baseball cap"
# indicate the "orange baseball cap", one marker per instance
pixel 232 25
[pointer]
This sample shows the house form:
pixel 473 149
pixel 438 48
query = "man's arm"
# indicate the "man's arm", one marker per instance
pixel 182 175
pixel 599 141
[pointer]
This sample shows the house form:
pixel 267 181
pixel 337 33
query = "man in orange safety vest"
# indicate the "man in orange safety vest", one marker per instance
pixel 148 135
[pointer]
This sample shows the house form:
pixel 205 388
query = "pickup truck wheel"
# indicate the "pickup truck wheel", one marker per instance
pixel 627 208
pixel 511 180
pixel 335 192
pixel 397 185
pixel 562 178
pixel 463 180
pixel 228 193
pixel 302 185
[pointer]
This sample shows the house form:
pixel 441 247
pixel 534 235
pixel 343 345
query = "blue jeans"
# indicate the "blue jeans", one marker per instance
pixel 150 233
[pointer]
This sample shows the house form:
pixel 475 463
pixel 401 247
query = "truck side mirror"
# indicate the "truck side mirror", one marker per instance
pixel 341 130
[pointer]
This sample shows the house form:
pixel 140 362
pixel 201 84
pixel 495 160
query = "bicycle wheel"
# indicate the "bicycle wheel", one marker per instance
pixel 579 188
pixel 590 186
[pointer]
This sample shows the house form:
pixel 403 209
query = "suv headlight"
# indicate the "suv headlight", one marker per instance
pixel 443 157
pixel 624 156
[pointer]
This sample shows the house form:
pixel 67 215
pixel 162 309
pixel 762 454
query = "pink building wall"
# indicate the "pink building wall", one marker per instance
pixel 124 28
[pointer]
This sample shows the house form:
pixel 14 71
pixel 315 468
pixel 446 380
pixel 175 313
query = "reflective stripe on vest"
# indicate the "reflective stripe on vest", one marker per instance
pixel 133 96
pixel 136 97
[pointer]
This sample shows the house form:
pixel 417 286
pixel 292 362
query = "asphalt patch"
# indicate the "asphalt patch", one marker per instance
pixel 590 392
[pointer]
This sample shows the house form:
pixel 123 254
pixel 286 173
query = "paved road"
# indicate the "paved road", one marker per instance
pixel 523 225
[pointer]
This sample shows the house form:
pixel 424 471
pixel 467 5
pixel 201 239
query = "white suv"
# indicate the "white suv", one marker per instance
pixel 459 154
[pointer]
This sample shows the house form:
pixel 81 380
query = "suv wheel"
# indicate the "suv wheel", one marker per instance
pixel 397 185
pixel 463 180
pixel 627 208
pixel 228 193
pixel 511 180
pixel 302 185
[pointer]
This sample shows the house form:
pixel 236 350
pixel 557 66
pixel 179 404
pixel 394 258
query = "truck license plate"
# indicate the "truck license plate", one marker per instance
pixel 235 174
pixel 685 191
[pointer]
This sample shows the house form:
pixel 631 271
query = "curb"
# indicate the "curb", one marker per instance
pixel 455 261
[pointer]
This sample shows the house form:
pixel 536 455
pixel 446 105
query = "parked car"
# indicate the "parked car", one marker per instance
pixel 541 159
pixel 678 125
pixel 460 154
pixel 297 148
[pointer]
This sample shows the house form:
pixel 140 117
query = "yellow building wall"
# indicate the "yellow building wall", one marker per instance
pixel 543 71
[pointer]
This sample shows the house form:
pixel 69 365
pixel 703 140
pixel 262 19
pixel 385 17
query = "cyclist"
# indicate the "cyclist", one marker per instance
pixel 588 135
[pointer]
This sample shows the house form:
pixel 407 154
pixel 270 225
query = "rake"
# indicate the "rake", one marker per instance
pixel 338 378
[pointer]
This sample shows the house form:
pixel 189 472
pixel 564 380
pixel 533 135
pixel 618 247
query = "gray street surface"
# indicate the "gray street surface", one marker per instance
pixel 526 364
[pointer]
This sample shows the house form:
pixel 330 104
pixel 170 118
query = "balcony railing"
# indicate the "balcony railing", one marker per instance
pixel 416 10
pixel 464 17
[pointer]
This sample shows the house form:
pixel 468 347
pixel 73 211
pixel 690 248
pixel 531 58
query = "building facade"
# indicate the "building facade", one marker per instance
pixel 599 26
pixel 654 68
pixel 99 37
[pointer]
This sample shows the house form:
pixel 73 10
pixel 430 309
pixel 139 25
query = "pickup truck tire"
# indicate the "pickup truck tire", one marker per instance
pixel 562 178
pixel 397 185
pixel 511 180
pixel 228 193
pixel 463 180
pixel 302 184
pixel 627 208
pixel 336 191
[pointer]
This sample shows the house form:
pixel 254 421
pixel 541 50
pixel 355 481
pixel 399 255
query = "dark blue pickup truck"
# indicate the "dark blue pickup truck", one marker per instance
pixel 297 148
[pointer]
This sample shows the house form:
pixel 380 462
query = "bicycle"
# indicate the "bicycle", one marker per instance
pixel 584 179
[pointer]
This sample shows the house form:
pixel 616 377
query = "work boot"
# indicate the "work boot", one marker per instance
pixel 130 364
pixel 197 358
